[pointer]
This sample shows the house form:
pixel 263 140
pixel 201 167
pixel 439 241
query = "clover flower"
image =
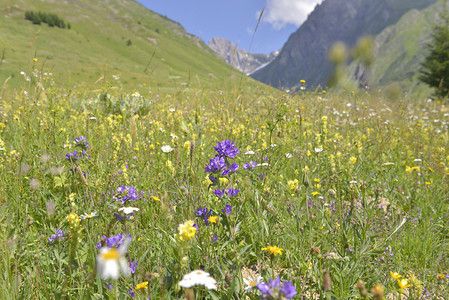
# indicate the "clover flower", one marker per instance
pixel 111 262
pixel 198 277
pixel 277 290
pixel 226 149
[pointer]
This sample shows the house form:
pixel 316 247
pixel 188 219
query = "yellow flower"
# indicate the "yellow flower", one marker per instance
pixel 315 193
pixel 395 275
pixel 35 59
pixel 403 283
pixel 142 285
pixel 352 160
pixel 274 250
pixel 155 198
pixel 213 219
pixel 186 231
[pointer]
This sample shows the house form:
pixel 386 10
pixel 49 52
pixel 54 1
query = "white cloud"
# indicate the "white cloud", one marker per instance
pixel 282 12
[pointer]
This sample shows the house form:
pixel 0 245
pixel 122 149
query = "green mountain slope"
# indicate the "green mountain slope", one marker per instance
pixel 399 49
pixel 107 37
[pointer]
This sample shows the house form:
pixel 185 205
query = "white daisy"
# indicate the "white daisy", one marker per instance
pixel 128 210
pixel 166 149
pixel 250 283
pixel 198 277
pixel 112 262
pixel 88 216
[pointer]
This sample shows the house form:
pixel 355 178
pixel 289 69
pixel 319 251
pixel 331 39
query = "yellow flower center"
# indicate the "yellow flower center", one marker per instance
pixel 111 254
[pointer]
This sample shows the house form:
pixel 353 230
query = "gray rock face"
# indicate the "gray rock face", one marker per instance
pixel 304 55
pixel 240 59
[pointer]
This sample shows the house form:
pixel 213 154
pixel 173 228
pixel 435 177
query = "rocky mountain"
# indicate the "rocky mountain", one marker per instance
pixel 399 50
pixel 238 58
pixel 304 55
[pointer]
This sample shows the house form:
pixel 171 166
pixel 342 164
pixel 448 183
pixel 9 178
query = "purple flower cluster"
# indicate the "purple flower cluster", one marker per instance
pixel 231 192
pixel 82 143
pixel 227 210
pixel 219 163
pixel 126 193
pixel 112 242
pixel 58 235
pixel 226 149
pixel 204 212
pixel 276 289
pixel 249 166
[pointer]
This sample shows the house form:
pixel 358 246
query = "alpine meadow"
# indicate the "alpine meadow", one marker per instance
pixel 135 163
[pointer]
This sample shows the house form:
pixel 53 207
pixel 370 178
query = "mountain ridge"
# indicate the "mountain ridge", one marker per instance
pixel 304 55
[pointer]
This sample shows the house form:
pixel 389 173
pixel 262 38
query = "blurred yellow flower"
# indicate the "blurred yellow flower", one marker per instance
pixel 274 250
pixel 395 275
pixel 142 285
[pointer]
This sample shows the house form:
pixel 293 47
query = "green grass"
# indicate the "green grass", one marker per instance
pixel 95 48
pixel 373 201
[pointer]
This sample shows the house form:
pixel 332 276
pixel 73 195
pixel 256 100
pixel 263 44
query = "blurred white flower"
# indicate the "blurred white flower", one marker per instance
pixel 250 152
pixel 166 149
pixel 318 150
pixel 250 283
pixel 128 210
pixel 288 155
pixel 112 262
pixel 198 277
pixel 88 216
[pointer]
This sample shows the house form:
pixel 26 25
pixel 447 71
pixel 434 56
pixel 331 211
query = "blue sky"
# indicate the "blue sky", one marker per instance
pixel 236 20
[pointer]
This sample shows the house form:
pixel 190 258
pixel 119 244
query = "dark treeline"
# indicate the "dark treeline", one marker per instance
pixel 53 20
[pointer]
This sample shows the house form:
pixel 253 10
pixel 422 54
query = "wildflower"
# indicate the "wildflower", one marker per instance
pixel 126 193
pixel 250 283
pixel 166 149
pixel 232 168
pixel 219 193
pixel 318 150
pixel 395 275
pixel 232 192
pixel 111 262
pixel 133 266
pixel 82 142
pixel 377 292
pixel 203 212
pixel 403 283
pixel 128 210
pixel 198 277
pixel 226 148
pixel 59 235
pixel 227 210
pixel 216 164
pixel 277 290
pixel 352 160
pixel 274 250
pixel 155 198
pixel 213 219
pixel 186 231
pixel 115 241
pixel 88 216
pixel 131 293
pixel 72 157
pixel 142 285
pixel 250 165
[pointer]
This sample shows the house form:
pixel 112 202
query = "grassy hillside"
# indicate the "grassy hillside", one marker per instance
pixel 400 48
pixel 110 37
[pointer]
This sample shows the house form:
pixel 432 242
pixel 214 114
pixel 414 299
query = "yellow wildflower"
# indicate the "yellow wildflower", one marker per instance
pixel 395 275
pixel 403 283
pixel 213 219
pixel 142 285
pixel 274 250
pixel 186 231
